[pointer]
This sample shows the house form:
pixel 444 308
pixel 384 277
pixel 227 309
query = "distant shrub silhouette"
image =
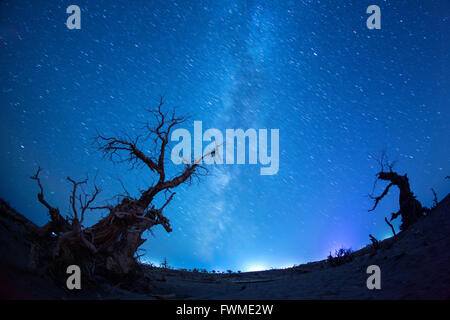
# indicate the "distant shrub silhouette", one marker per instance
pixel 435 200
pixel 340 257
pixel 165 264
pixel 375 242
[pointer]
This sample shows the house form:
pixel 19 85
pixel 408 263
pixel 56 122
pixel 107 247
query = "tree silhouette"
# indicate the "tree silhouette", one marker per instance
pixel 111 243
pixel 411 209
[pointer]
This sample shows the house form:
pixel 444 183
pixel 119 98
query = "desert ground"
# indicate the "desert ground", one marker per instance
pixel 414 265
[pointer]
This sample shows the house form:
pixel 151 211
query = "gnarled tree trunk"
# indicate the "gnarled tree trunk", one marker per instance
pixel 411 209
pixel 110 245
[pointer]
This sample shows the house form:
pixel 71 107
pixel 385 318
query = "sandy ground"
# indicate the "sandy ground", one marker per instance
pixel 414 265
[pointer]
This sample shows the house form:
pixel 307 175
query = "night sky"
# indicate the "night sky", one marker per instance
pixel 337 91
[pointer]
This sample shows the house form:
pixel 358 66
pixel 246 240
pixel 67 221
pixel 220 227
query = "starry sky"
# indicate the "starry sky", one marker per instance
pixel 337 91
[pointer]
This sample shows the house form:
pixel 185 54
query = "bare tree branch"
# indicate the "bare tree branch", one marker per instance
pixel 164 123
pixel 84 200
pixel 390 225
pixel 377 199
pixel 435 199
pixel 41 191
pixel 112 147
pixel 57 223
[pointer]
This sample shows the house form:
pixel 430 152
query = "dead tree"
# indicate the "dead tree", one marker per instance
pixel 391 226
pixel 57 222
pixel 111 243
pixel 411 209
pixel 375 242
pixel 72 243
